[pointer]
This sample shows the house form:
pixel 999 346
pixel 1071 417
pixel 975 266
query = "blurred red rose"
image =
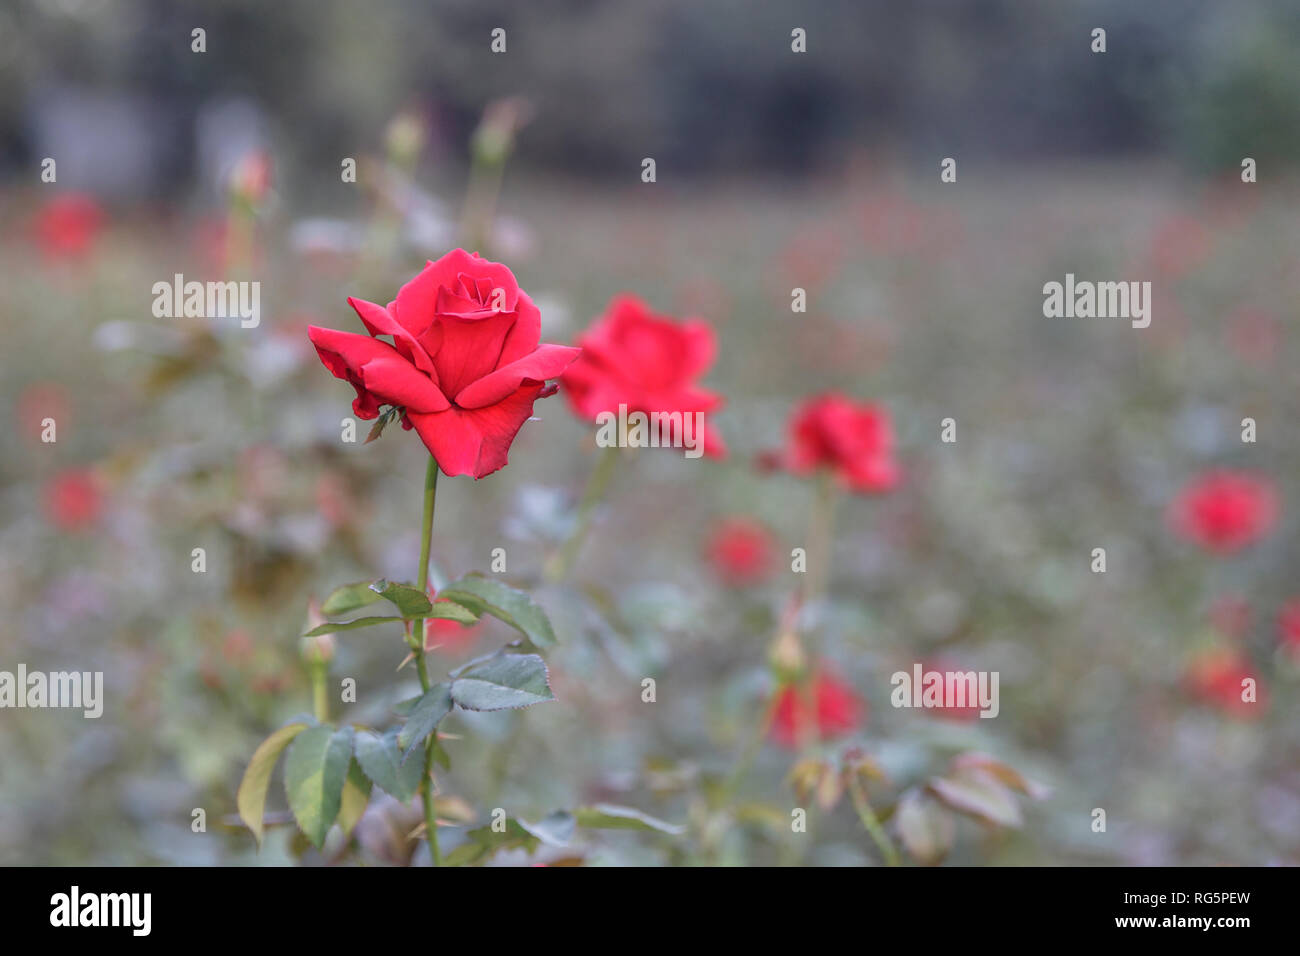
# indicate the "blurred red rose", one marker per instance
pixel 465 363
pixel 447 636
pixel 1224 511
pixel 67 225
pixel 853 439
pixel 647 362
pixel 73 500
pixel 834 710
pixel 1180 244
pixel 1215 677
pixel 741 551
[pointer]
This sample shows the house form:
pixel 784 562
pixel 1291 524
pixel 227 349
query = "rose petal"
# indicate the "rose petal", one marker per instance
pixel 547 361
pixel 379 321
pixel 376 370
pixel 476 441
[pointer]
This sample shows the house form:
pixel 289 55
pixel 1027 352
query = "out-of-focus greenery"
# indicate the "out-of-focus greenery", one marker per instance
pixel 1072 434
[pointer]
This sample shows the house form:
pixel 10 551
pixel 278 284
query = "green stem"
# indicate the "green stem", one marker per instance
pixel 480 205
pixel 820 540
pixel 871 822
pixel 747 756
pixel 426 539
pixel 426 525
pixel 320 690
pixel 562 563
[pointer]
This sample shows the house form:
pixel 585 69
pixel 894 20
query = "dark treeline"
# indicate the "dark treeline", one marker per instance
pixel 707 86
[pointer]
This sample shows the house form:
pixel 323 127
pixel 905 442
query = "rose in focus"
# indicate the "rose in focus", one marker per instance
pixel 465 364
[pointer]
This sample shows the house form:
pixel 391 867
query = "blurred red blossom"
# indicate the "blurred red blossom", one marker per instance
pixel 465 365
pixel 646 362
pixel 450 637
pixel 1224 511
pixel 1179 244
pixel 1215 676
pixel 67 225
pixel 74 499
pixel 741 551
pixel 855 440
pixel 833 711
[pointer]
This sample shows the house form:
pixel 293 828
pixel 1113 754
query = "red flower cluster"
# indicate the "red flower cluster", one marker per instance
pixel 465 364
pixel 1224 511
pixel 834 710
pixel 855 440
pixel 647 362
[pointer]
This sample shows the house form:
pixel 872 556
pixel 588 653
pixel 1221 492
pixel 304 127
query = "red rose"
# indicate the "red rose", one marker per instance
pixel 834 710
pixel 740 550
pixel 67 225
pixel 1224 511
pixel 855 440
pixel 73 500
pixel 465 364
pixel 647 362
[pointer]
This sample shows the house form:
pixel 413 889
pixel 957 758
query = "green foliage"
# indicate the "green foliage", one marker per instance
pixel 608 816
pixel 315 771
pixel 251 796
pixel 427 713
pixel 501 682
pixel 356 795
pixel 483 595
pixel 381 759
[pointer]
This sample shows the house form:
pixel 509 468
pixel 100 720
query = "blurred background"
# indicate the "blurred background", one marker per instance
pixel 774 170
